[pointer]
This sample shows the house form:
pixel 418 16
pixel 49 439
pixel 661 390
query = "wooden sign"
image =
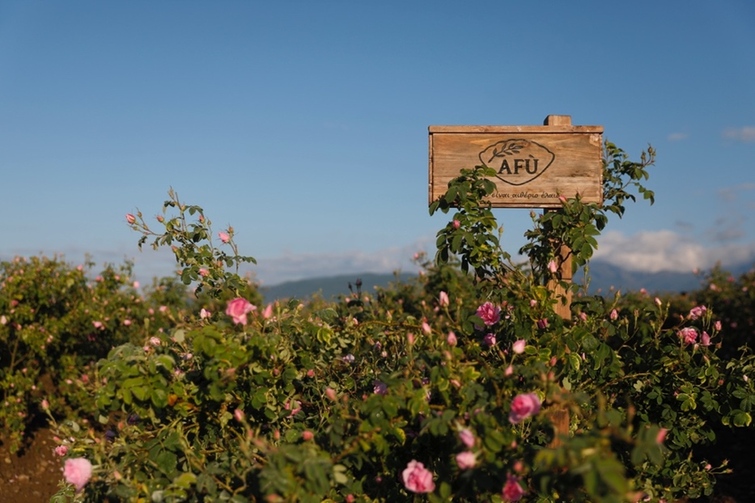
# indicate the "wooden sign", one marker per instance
pixel 534 164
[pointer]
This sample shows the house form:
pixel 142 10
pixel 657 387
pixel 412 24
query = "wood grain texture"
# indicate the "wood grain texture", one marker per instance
pixel 534 164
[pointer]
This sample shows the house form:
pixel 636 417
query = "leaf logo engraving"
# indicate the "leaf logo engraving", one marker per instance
pixel 517 161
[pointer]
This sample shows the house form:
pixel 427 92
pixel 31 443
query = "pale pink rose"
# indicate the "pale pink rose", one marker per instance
pixel 519 346
pixel 552 266
pixel 489 314
pixel 512 491
pixel 443 299
pixel 155 341
pixel 224 237
pixel 417 478
pixel 239 415
pixel 268 312
pixel 3 320
pixel 426 328
pixel 533 302
pixel 126 323
pixel 509 370
pixel 688 335
pixel 61 450
pixel 466 460
pixel 331 394
pixel 98 324
pixel 467 437
pixel 204 272
pixel 614 315
pixel 661 435
pixel 238 309
pixel 410 338
pixel 697 312
pixel 451 339
pixel 204 313
pixel 77 471
pixel 524 406
pixel 130 218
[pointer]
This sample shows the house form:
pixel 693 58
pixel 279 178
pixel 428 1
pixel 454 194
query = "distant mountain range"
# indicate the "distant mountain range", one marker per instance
pixel 603 278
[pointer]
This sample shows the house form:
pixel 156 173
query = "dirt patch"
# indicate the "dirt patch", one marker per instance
pixel 31 475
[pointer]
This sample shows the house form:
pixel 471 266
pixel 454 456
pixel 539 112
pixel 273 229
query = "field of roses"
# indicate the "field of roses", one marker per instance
pixel 460 385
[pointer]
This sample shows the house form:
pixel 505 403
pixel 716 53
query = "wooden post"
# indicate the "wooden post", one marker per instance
pixel 563 255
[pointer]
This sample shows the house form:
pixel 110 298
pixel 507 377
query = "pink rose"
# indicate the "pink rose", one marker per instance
pixel 77 471
pixel 614 315
pixel 130 218
pixel 417 478
pixel 451 339
pixel 466 460
pixel 705 339
pixel 512 491
pixel 466 437
pixel 224 237
pixel 238 308
pixel 697 312
pixel 61 450
pixel 443 299
pixel 552 266
pixel 489 314
pixel 519 346
pixel 688 335
pixel 489 340
pixel 524 406
pixel 661 436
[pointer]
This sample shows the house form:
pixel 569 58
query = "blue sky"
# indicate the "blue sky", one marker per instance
pixel 304 124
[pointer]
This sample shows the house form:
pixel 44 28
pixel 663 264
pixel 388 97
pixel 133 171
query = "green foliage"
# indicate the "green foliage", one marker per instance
pixel 466 369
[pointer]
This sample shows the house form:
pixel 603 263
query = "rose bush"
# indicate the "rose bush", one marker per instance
pixel 403 394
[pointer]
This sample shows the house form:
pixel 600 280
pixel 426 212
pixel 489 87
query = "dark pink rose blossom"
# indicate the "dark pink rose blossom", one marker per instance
pixel 705 339
pixel 238 309
pixel 417 478
pixel 512 491
pixel 489 313
pixel 524 406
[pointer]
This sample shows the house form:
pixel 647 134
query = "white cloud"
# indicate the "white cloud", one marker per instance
pixel 677 136
pixel 665 250
pixel 745 134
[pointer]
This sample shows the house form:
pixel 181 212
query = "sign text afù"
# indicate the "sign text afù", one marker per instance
pixel 534 164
